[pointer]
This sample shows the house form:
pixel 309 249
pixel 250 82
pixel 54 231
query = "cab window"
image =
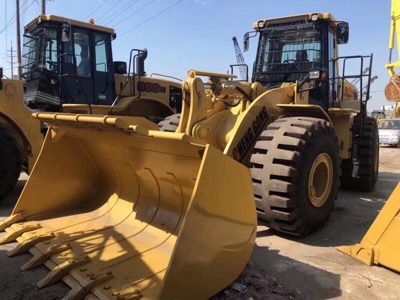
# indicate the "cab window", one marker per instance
pixel 82 54
pixel 101 52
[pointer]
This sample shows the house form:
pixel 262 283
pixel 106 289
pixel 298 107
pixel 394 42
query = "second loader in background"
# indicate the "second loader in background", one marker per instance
pixel 136 213
pixel 69 67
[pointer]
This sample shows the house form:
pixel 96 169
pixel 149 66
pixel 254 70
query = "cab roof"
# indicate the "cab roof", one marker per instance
pixel 51 18
pixel 311 16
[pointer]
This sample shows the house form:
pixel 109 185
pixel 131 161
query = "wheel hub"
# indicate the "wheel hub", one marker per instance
pixel 320 180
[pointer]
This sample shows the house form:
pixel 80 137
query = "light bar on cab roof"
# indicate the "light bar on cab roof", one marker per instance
pixel 261 24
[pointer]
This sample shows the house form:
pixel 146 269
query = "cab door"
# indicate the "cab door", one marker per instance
pixel 77 64
pixel 104 86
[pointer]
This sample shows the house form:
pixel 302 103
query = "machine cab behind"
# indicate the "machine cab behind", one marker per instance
pixel 67 61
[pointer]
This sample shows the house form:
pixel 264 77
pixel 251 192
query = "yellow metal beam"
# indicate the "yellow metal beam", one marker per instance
pixel 394 34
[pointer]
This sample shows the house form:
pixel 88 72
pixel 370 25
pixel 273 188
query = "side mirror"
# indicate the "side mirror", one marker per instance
pixel 246 39
pixel 246 42
pixel 342 32
pixel 120 67
pixel 66 31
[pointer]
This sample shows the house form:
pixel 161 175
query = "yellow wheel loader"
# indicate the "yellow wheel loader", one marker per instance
pixel 133 212
pixel 313 130
pixel 68 66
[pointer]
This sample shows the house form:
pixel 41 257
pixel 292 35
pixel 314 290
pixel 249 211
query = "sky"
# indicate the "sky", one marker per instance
pixel 197 34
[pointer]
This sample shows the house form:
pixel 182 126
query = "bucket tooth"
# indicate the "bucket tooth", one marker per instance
pixel 29 243
pixel 13 219
pixel 62 270
pixel 40 258
pixel 363 254
pixel 12 235
pixel 133 295
pixel 81 290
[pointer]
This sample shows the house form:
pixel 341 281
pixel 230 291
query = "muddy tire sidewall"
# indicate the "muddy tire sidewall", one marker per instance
pixel 10 163
pixel 282 161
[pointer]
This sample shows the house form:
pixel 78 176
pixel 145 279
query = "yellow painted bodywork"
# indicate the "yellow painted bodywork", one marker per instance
pixel 394 35
pixel 206 117
pixel 392 90
pixel 397 110
pixel 381 244
pixel 136 213
pixel 28 132
pixel 321 16
pixel 132 211
pixel 143 213
pixel 52 18
pixel 342 120
pixel 16 117
pixel 132 102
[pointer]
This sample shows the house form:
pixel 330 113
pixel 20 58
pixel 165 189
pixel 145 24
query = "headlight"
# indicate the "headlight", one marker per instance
pixel 314 74
pixel 261 24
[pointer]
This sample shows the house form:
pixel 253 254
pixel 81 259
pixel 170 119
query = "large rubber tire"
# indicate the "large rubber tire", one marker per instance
pixel 170 123
pixel 291 156
pixel 368 154
pixel 10 162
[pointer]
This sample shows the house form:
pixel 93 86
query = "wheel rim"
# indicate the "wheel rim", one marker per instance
pixel 320 180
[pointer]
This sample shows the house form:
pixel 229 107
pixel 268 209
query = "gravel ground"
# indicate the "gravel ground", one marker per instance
pixel 254 283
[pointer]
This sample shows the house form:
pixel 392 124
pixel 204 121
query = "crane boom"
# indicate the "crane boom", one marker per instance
pixel 392 90
pixel 394 36
pixel 239 59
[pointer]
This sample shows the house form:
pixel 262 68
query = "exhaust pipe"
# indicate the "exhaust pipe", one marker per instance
pixel 139 62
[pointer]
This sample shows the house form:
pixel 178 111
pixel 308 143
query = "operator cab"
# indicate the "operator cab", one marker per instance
pixel 304 48
pixel 288 51
pixel 67 61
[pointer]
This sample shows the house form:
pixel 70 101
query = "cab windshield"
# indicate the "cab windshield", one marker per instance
pixel 40 50
pixel 287 52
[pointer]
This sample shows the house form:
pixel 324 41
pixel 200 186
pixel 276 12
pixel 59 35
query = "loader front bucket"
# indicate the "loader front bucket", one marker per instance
pixel 381 244
pixel 121 212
